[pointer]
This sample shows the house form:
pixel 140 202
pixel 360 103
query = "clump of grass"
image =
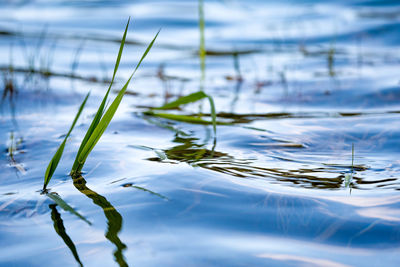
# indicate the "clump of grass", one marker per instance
pixel 103 117
pixel 99 124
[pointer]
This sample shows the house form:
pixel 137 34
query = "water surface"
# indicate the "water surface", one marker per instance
pixel 297 83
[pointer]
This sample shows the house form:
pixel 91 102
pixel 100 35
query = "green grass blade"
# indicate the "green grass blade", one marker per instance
pixel 184 100
pixel 107 117
pixel 78 114
pixel 57 156
pixel 146 52
pixel 101 108
pixel 185 118
pixel 213 114
pixel 102 126
pixel 202 48
pixel 121 48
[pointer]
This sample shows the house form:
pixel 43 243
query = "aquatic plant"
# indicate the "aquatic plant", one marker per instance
pixel 348 178
pixel 14 148
pixel 202 47
pixel 57 156
pixel 99 124
pixel 194 97
pixel 103 117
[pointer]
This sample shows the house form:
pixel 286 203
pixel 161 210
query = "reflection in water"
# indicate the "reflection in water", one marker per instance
pixel 197 154
pixel 145 190
pixel 60 229
pixel 189 151
pixel 64 205
pixel 114 218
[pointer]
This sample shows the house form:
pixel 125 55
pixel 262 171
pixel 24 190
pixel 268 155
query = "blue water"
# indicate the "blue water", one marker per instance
pixel 310 80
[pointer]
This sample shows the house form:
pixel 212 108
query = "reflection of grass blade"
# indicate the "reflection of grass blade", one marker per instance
pixel 159 153
pixel 57 156
pixel 114 218
pixel 100 110
pixel 105 120
pixel 60 202
pixel 146 190
pixel 60 229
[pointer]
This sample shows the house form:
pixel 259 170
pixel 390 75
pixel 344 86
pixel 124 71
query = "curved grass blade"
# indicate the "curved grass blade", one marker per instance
pixel 101 108
pixel 186 100
pixel 213 114
pixel 57 156
pixel 106 119
pixel 184 118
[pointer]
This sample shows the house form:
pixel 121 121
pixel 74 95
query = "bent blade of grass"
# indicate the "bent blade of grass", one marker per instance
pixel 213 114
pixel 106 119
pixel 194 97
pixel 57 156
pixel 101 108
pixel 184 118
pixel 183 100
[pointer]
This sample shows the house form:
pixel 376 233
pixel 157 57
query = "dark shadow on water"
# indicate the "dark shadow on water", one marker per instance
pixel 114 218
pixel 60 230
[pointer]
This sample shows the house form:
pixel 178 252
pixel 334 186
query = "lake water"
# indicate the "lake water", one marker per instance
pixel 298 83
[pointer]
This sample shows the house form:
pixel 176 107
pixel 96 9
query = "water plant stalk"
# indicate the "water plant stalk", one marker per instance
pixel 202 47
pixel 57 156
pixel 103 117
